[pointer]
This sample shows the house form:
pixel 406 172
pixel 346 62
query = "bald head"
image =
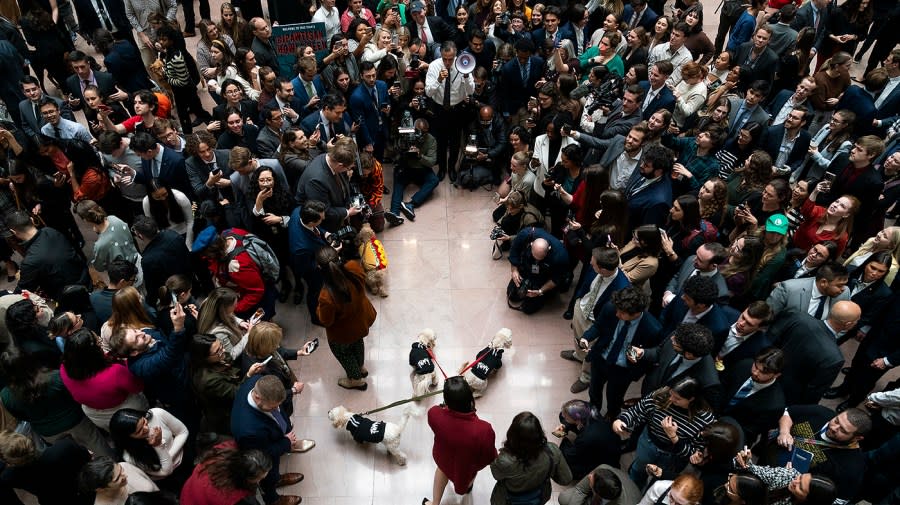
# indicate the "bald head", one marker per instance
pixel 540 248
pixel 844 315
pixel 486 113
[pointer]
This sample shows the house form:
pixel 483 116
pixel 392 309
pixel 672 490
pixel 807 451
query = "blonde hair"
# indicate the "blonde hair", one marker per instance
pixel 16 449
pixel 264 339
pixel 128 310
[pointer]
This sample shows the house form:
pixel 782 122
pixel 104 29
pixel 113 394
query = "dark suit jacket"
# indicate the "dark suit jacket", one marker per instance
pixel 267 143
pixel 663 100
pixel 748 349
pixel 756 413
pixel 812 359
pixel 650 205
pixel 882 339
pixel 758 115
pixel 781 98
pixel 716 319
pixel 603 330
pixel 687 267
pixel 891 105
pixel 31 125
pixel 312 122
pixel 363 108
pixel 867 187
pixel 538 36
pixel 265 55
pixel 804 18
pixel 88 21
pixel 164 256
pixel 620 282
pixel 872 301
pixel 318 183
pixel 303 245
pixel 440 29
pixel 124 62
pixel 516 93
pixel 763 68
pixel 303 97
pixel 172 173
pixel 647 20
pixel 639 55
pixel 618 124
pixel 248 109
pixel 657 360
pixel 771 143
pixel 253 429
pixel 862 104
pixel 105 82
pixel 198 174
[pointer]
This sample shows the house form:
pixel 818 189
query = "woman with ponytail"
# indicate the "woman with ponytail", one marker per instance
pixel 346 313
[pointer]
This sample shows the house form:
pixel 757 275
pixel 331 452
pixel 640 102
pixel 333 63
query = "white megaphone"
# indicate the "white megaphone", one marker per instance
pixel 465 63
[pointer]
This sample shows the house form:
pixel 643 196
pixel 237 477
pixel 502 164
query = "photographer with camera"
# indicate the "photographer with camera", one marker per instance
pixel 538 264
pixel 487 142
pixel 512 215
pixel 327 179
pixel 418 154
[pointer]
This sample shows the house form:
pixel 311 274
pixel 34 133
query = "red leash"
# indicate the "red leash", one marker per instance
pixel 434 358
pixel 474 362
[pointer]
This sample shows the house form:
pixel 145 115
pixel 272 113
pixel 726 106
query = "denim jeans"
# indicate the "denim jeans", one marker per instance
pixel 424 177
pixel 648 453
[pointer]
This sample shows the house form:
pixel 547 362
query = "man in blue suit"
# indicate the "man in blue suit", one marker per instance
pixel 788 143
pixel 552 29
pixel 307 80
pixel 746 336
pixel 638 13
pixel 370 106
pixel 159 164
pixel 305 238
pixel 257 422
pixel 601 280
pixel 887 103
pixel 623 322
pixel 862 102
pixel 332 120
pixel 286 100
pixel 518 77
pixel 697 304
pixel 649 190
pixel 657 95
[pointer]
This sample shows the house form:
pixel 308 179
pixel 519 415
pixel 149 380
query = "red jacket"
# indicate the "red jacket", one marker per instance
pixel 463 445
pixel 199 489
pixel 242 275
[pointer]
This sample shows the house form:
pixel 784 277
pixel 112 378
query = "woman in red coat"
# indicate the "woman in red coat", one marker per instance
pixel 346 313
pixel 463 443
pixel 226 476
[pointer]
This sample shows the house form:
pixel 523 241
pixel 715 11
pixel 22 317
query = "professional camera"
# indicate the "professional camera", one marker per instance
pixel 606 94
pixel 408 138
pixel 497 232
pixel 412 70
pixel 503 20
pixel 342 236
pixel 358 200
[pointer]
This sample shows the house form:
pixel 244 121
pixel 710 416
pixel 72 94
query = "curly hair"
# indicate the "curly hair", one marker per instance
pixel 199 137
pixel 281 202
pixel 630 300
pixel 694 338
pixel 702 290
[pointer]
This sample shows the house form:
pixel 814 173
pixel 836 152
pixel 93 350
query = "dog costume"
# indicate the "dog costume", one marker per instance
pixel 493 360
pixel 420 359
pixel 366 430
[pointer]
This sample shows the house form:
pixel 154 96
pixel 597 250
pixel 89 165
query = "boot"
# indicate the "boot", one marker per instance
pixel 353 384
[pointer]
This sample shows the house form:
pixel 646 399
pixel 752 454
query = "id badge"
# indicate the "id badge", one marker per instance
pixel 535 269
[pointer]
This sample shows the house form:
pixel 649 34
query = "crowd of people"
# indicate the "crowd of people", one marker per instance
pixel 717 215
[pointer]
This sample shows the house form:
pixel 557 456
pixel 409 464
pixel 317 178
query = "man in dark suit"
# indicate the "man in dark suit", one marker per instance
pixel 370 105
pixel 657 95
pixel 814 14
pixel 746 336
pixel 697 304
pixel 308 80
pixel 113 18
pixel 159 163
pixel 868 289
pixel 638 13
pixel 332 120
pixel 551 29
pixel 620 120
pixel 786 100
pixel 268 141
pixel 649 190
pixel 436 31
pixel 756 60
pixel 887 103
pixel 753 394
pixel 621 323
pixel 705 263
pixel 85 76
pixel 30 111
pixel 812 357
pixel 305 238
pixel 814 296
pixel 684 354
pixel 539 262
pixel 326 179
pixel 164 254
pixel 861 101
pixel 602 280
pixel 788 143
pixel 606 152
pixel 262 45
pixel 518 78
pixel 748 110
pixel 257 422
pixel 878 353
pixel 201 165
pixel 858 178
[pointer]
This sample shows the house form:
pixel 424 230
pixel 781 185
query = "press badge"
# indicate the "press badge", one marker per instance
pixel 535 269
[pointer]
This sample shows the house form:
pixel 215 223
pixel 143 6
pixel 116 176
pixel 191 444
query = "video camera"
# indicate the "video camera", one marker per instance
pixel 610 89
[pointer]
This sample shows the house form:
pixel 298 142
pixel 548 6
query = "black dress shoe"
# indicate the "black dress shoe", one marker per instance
pixel 845 370
pixel 842 407
pixel 568 315
pixel 837 392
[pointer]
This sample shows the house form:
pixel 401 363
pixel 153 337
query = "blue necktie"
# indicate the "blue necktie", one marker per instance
pixel 742 393
pixel 279 418
pixel 613 355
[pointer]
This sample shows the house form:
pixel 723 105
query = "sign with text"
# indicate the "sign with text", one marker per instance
pixel 288 38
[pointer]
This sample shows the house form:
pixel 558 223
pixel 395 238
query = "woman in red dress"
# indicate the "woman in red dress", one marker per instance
pixel 463 443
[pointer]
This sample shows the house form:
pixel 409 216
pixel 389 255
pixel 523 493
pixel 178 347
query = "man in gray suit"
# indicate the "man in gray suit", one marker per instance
pixel 705 262
pixel 783 36
pixel 30 108
pixel 620 154
pixel 815 14
pixel 327 179
pixel 611 485
pixel 810 296
pixel 748 110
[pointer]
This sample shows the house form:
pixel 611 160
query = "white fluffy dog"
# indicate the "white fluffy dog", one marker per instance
pixel 366 430
pixel 424 375
pixel 478 374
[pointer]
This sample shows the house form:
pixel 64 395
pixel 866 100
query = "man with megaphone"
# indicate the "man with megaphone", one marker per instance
pixel 448 82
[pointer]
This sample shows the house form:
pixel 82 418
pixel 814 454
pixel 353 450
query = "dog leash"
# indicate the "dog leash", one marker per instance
pixel 401 402
pixel 474 362
pixel 434 358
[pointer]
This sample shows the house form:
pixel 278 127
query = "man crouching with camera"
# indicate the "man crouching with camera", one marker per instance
pixel 414 166
pixel 539 264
